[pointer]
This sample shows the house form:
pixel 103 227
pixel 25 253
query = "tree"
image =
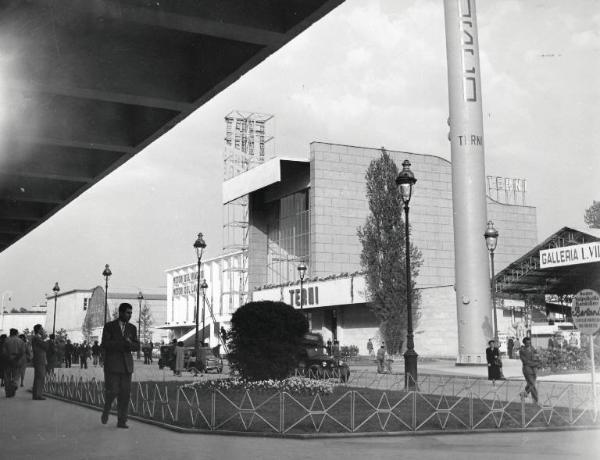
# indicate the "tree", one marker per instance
pixel 383 255
pixel 592 215
pixel 146 322
pixel 265 339
pixel 87 328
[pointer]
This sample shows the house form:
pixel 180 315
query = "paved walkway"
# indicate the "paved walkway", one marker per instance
pixel 53 429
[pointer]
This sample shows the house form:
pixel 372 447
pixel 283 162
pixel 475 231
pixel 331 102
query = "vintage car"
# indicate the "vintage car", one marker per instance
pixel 210 359
pixel 315 363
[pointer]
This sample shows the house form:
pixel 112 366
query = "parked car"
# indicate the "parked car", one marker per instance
pixel 210 360
pixel 316 363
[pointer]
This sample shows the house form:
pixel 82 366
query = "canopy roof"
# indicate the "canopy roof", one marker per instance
pixel 86 84
pixel 524 276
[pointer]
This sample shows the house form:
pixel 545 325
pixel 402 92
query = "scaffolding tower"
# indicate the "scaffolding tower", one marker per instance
pixel 248 143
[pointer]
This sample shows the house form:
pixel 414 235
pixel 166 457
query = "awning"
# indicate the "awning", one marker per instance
pixel 524 276
pixel 259 177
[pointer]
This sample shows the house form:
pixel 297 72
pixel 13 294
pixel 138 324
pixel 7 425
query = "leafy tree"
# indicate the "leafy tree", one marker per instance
pixel 61 334
pixel 265 339
pixel 592 215
pixel 383 256
pixel 146 322
pixel 87 328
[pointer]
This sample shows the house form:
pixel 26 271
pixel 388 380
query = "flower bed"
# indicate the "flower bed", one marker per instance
pixel 291 385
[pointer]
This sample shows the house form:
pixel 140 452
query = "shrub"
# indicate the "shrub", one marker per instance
pixel 569 359
pixel 265 340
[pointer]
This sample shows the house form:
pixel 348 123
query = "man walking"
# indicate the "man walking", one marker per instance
pixel 530 361
pixel 119 339
pixel 40 347
pixel 370 347
pixel 381 359
pixel 14 352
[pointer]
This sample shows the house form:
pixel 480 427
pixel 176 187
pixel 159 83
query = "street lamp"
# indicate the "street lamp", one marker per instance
pixel 199 246
pixel 55 289
pixel 301 272
pixel 491 240
pixel 204 287
pixel 106 273
pixel 140 297
pixel 406 180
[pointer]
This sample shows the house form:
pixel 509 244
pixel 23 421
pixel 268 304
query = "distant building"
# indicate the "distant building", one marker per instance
pixel 77 307
pixel 309 211
pixel 221 298
pixel 21 320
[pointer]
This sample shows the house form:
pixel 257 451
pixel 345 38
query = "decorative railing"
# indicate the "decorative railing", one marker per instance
pixel 364 404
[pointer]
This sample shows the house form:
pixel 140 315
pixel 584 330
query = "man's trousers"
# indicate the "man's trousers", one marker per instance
pixel 117 385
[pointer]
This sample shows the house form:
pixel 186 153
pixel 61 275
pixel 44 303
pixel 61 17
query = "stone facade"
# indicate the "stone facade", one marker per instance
pixel 338 206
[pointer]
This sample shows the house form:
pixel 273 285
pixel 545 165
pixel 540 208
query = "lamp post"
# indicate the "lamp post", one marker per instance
pixel 491 240
pixel 55 289
pixel 301 272
pixel 199 246
pixel 9 293
pixel 406 180
pixel 106 273
pixel 140 297
pixel 204 287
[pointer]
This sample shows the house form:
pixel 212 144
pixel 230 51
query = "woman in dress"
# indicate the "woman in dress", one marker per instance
pixel 492 354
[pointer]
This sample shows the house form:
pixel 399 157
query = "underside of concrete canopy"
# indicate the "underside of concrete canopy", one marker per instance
pixel 569 264
pixel 86 84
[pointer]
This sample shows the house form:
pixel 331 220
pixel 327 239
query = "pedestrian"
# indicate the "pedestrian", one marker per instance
pixel 84 355
pixel 150 350
pixel 119 339
pixel 179 359
pixel 60 351
pixel 223 334
pixel 27 358
pixel 530 361
pixel 370 347
pixel 328 347
pixel 510 347
pixel 68 353
pixel 3 338
pixel 492 355
pixel 39 347
pixel 145 353
pixel 381 359
pixel 335 350
pixel 95 353
pixel 51 355
pixel 550 344
pixel 13 351
pixel 171 355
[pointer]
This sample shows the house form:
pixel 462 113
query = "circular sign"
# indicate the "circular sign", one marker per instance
pixel 586 311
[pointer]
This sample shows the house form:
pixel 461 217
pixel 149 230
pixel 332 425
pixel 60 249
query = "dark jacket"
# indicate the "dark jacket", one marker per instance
pixel 117 349
pixel 39 347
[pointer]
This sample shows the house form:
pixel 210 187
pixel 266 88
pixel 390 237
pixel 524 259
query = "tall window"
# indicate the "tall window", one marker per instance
pixel 288 238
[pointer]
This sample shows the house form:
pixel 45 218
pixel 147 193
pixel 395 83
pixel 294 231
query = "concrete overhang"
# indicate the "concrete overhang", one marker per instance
pixel 87 84
pixel 259 177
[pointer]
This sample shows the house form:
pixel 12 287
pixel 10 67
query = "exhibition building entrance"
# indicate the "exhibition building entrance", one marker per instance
pixel 548 276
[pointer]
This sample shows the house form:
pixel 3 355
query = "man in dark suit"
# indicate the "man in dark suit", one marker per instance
pixel 119 339
pixel 40 347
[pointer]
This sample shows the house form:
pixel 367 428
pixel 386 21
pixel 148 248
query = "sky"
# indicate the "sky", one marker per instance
pixel 372 73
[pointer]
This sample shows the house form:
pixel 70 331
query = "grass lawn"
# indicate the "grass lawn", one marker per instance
pixel 261 411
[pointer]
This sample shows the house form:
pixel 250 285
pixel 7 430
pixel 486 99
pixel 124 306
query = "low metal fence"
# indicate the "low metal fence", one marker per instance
pixel 366 403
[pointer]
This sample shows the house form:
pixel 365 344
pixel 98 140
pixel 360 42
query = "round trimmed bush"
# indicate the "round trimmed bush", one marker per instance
pixel 265 339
